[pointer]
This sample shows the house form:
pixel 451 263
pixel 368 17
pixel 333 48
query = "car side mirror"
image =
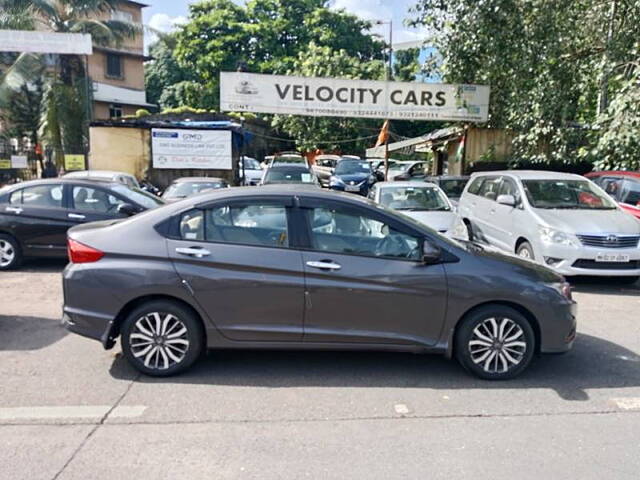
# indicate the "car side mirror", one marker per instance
pixel 431 253
pixel 379 175
pixel 127 209
pixel 508 200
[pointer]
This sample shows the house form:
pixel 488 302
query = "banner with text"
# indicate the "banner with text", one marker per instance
pixel 196 149
pixel 333 97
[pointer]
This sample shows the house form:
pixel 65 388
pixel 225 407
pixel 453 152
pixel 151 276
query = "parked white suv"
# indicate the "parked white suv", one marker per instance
pixel 561 220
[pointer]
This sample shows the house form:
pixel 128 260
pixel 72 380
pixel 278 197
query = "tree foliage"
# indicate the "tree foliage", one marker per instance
pixel 548 63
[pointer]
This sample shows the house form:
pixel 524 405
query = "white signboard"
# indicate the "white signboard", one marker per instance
pixel 19 161
pixel 196 149
pixel 332 97
pixel 45 42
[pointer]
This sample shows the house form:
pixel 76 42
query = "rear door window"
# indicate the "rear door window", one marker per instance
pixel 42 196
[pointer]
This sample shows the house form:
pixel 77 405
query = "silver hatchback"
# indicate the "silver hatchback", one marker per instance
pixel 561 220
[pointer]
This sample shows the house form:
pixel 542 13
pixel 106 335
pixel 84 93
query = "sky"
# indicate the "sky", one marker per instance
pixel 162 15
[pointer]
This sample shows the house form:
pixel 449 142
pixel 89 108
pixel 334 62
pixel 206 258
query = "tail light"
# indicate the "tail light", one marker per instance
pixel 81 253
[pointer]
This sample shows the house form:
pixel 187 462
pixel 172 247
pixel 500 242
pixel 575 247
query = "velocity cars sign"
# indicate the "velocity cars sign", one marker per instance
pixel 195 149
pixel 332 97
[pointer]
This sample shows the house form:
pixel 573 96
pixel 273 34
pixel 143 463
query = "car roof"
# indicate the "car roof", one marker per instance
pixel 198 179
pixel 63 180
pixel 532 175
pixel 407 184
pixel 97 173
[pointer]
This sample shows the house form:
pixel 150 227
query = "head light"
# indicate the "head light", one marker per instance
pixel 551 235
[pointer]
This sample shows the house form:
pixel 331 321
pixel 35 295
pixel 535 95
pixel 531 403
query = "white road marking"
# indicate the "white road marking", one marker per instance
pixel 78 411
pixel 401 408
pixel 629 403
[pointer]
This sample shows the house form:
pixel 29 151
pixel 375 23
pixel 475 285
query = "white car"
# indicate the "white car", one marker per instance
pixel 563 221
pixel 424 202
pixel 252 171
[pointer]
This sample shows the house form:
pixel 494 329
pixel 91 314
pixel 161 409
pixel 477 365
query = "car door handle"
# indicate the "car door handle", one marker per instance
pixel 76 216
pixel 16 210
pixel 325 265
pixel 197 252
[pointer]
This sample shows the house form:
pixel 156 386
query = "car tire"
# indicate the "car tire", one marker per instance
pixel 525 250
pixel 10 252
pixel 480 344
pixel 162 338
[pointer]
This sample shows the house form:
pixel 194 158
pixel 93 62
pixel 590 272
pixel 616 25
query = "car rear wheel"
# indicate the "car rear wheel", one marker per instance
pixel 10 254
pixel 162 338
pixel 525 250
pixel 495 342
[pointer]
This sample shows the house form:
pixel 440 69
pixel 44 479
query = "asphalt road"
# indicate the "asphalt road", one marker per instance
pixel 70 410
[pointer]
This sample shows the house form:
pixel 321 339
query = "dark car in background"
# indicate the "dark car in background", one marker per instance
pixel 623 186
pixel 322 270
pixel 289 173
pixel 35 215
pixel 352 175
pixel 186 186
pixel 451 185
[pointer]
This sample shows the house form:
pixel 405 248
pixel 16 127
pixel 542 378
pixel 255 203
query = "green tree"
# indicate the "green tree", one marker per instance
pixel 547 62
pixel 406 64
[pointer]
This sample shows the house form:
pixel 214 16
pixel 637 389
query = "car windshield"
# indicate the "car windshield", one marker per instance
pixel 297 175
pixel 142 198
pixel 414 199
pixel 251 163
pixel 453 188
pixel 186 189
pixel 352 166
pixel 567 194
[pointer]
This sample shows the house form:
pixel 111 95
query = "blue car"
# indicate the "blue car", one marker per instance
pixel 350 175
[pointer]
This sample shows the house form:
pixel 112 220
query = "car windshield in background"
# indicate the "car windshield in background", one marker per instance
pixel 251 164
pixel 414 199
pixel 453 188
pixel 349 166
pixel 186 189
pixel 293 175
pixel 569 194
pixel 138 196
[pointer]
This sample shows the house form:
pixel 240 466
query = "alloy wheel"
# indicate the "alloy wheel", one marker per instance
pixel 497 345
pixel 524 253
pixel 7 253
pixel 159 340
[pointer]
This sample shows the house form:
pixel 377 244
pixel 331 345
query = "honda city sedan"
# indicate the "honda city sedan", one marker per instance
pixel 323 270
pixel 35 215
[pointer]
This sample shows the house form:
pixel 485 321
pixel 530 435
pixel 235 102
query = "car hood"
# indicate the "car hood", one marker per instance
pixel 440 221
pixel 531 268
pixel 590 221
pixel 353 177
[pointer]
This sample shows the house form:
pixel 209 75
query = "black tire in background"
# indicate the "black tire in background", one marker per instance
pixel 11 246
pixel 469 342
pixel 134 334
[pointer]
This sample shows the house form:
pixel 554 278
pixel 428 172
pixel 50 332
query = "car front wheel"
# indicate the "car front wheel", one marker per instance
pixel 10 254
pixel 162 338
pixel 495 342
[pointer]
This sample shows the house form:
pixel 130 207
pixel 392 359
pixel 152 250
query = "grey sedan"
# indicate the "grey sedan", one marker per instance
pixel 323 270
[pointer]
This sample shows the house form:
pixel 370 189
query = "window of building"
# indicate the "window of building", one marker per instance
pixel 122 16
pixel 115 111
pixel 114 66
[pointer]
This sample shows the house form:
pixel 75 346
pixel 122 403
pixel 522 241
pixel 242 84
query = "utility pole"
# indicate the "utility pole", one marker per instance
pixel 603 94
pixel 389 78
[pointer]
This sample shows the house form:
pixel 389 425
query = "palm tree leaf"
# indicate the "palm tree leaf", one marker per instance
pixel 106 32
pixel 25 68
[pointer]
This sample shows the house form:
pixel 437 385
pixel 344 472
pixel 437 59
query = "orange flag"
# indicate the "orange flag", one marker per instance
pixel 383 137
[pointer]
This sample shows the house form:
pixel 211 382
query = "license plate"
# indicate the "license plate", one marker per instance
pixel 352 188
pixel 612 257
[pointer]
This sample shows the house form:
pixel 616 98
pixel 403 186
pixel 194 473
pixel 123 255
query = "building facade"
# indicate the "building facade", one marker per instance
pixel 117 72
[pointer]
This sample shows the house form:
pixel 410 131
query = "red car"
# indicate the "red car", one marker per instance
pixel 623 186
